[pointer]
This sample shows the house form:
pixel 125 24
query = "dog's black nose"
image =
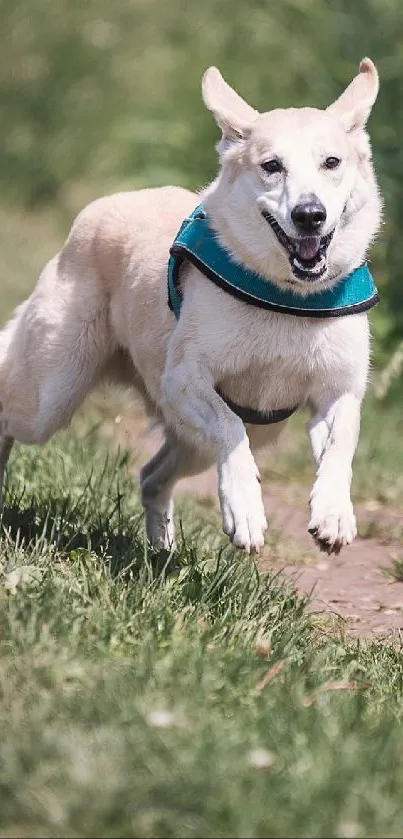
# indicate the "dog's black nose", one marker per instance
pixel 309 215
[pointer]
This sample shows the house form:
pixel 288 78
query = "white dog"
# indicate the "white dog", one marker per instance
pixel 293 211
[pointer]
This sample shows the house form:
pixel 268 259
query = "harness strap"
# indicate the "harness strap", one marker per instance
pixel 197 243
pixel 255 417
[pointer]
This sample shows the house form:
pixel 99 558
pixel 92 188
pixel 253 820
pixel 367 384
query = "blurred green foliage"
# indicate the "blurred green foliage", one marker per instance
pixel 108 93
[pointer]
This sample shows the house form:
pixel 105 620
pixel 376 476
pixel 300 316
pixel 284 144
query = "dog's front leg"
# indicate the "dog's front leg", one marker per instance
pixel 333 433
pixel 198 414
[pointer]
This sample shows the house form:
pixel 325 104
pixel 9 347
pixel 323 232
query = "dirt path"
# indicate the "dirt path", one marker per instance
pixel 352 587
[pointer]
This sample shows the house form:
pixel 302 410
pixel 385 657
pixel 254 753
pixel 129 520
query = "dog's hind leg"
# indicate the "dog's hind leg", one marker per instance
pixel 39 405
pixel 54 349
pixel 6 444
pixel 158 477
pixel 72 377
pixel 155 481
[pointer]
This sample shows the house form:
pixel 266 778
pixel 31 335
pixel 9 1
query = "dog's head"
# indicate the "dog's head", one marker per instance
pixel 296 197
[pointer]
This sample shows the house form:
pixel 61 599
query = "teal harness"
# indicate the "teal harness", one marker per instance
pixel 197 242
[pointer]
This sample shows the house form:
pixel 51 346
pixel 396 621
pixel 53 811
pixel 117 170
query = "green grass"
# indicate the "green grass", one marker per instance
pixel 180 696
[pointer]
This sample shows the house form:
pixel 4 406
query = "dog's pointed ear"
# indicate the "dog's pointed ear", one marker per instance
pixel 233 115
pixel 354 105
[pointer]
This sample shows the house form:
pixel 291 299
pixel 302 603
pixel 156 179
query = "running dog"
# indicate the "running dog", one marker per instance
pixel 227 310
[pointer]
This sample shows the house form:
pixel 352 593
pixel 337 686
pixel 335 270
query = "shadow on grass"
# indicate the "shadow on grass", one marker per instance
pixel 105 522
pixel 216 581
pixel 66 530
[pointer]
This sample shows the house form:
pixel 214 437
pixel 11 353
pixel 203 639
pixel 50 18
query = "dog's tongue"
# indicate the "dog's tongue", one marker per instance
pixel 307 248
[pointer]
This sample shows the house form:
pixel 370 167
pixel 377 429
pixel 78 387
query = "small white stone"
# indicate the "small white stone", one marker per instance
pixel 260 758
pixel 161 718
pixel 349 830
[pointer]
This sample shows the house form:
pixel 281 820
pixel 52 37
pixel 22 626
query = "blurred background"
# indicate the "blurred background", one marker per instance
pixel 99 96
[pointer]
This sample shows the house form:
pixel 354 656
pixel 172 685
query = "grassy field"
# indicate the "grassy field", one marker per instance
pixel 184 696
pixel 180 697
pixel 189 695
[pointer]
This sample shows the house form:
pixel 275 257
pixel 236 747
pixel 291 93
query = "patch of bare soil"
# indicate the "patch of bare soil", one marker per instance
pixel 353 587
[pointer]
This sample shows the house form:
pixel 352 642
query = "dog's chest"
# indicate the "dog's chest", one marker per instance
pixel 279 361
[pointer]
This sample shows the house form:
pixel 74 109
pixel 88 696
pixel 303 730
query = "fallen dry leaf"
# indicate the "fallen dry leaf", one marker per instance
pixel 271 674
pixel 342 684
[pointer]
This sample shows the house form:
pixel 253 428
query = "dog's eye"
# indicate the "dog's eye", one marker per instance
pixel 271 167
pixel 332 162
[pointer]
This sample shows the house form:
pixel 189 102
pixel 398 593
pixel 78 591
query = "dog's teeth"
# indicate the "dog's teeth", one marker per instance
pixel 312 269
pixel 308 271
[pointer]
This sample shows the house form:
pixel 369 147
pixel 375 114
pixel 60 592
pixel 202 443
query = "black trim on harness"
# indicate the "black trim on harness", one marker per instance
pixel 180 251
pixel 254 417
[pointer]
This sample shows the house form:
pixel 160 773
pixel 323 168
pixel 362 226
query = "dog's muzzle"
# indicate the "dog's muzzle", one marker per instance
pixel 307 254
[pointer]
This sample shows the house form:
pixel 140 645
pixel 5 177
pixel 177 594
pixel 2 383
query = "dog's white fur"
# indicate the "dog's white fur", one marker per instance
pixel 99 310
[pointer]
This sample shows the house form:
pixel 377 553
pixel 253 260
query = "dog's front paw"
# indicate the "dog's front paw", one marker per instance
pixel 333 522
pixel 243 514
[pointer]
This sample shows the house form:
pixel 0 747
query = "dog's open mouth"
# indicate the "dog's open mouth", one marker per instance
pixel 307 254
